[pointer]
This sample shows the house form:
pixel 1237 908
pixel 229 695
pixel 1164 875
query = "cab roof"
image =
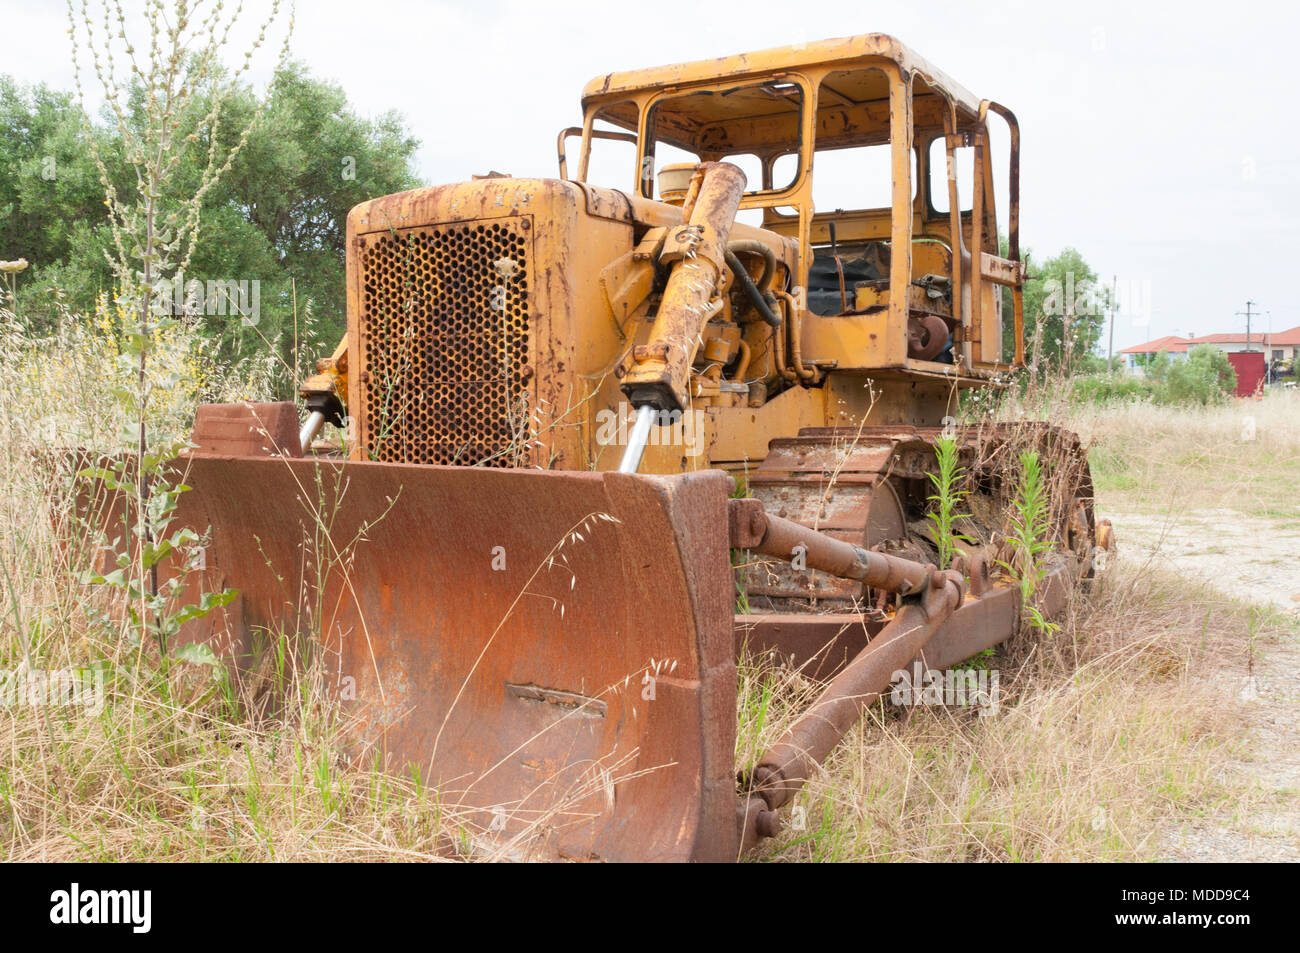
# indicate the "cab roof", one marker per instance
pixel 844 53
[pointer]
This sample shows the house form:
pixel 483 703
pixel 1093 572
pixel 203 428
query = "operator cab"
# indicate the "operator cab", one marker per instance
pixel 846 146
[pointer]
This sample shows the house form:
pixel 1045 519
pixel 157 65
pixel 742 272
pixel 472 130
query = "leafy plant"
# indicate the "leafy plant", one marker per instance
pixel 1029 537
pixel 154 100
pixel 1065 309
pixel 156 608
pixel 946 499
pixel 1204 377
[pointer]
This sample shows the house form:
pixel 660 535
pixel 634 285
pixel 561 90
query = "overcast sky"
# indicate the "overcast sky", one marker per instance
pixel 1160 140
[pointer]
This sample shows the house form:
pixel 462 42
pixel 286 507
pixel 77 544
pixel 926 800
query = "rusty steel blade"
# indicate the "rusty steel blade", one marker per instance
pixel 553 651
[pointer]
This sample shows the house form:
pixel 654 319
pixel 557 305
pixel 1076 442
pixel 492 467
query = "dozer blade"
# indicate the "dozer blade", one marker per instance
pixel 553 651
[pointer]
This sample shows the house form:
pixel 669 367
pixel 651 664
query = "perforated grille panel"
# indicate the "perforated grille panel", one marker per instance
pixel 444 336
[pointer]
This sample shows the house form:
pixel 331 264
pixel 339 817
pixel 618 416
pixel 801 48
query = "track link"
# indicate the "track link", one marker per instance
pixel 869 486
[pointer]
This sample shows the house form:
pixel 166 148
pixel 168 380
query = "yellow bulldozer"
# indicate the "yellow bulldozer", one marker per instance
pixel 583 443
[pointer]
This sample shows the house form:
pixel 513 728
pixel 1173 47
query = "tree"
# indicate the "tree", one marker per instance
pixel 304 169
pixel 277 216
pixel 1157 365
pixel 1064 311
pixel 51 199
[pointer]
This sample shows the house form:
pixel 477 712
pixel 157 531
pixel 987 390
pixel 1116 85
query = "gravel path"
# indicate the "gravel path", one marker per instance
pixel 1253 560
pixel 1242 556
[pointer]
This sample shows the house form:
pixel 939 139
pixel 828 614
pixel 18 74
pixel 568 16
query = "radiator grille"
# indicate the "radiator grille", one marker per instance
pixel 444 330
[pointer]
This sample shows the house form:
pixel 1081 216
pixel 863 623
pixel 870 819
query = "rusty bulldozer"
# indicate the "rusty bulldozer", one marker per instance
pixel 575 423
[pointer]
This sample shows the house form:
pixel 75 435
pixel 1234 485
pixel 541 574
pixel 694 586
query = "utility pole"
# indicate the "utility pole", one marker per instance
pixel 1247 313
pixel 1268 351
pixel 1110 345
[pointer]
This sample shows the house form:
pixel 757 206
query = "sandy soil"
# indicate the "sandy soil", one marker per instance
pixel 1245 557
pixel 1253 560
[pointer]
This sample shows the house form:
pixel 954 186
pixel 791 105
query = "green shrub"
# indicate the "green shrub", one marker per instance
pixel 1108 388
pixel 1204 377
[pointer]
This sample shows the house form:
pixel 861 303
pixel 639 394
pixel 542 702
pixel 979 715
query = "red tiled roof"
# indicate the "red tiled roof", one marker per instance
pixel 1177 345
pixel 1233 338
pixel 1170 342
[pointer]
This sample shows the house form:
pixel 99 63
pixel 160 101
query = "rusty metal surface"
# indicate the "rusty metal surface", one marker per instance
pixel 784 768
pixel 820 645
pixel 817 645
pixel 927 336
pixel 840 53
pixel 785 539
pixel 247 429
pixel 448 286
pixel 446 343
pixel 753 528
pixel 747 522
pixel 536 661
pixel 834 483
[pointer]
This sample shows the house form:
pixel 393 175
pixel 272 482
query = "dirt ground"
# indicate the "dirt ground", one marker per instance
pixel 1258 561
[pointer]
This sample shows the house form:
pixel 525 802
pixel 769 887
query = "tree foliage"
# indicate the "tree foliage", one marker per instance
pixel 1065 310
pixel 1205 376
pixel 277 216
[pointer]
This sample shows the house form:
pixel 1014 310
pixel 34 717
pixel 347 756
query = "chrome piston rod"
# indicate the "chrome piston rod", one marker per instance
pixel 310 427
pixel 640 436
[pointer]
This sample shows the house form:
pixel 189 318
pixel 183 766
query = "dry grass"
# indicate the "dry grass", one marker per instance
pixel 186 770
pixel 1240 456
pixel 1104 730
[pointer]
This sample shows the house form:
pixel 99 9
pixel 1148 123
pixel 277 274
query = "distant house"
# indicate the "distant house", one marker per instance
pixel 1137 356
pixel 1280 346
pixel 1284 345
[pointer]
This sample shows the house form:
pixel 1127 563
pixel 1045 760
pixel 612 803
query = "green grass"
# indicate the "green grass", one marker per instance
pixel 1170 460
